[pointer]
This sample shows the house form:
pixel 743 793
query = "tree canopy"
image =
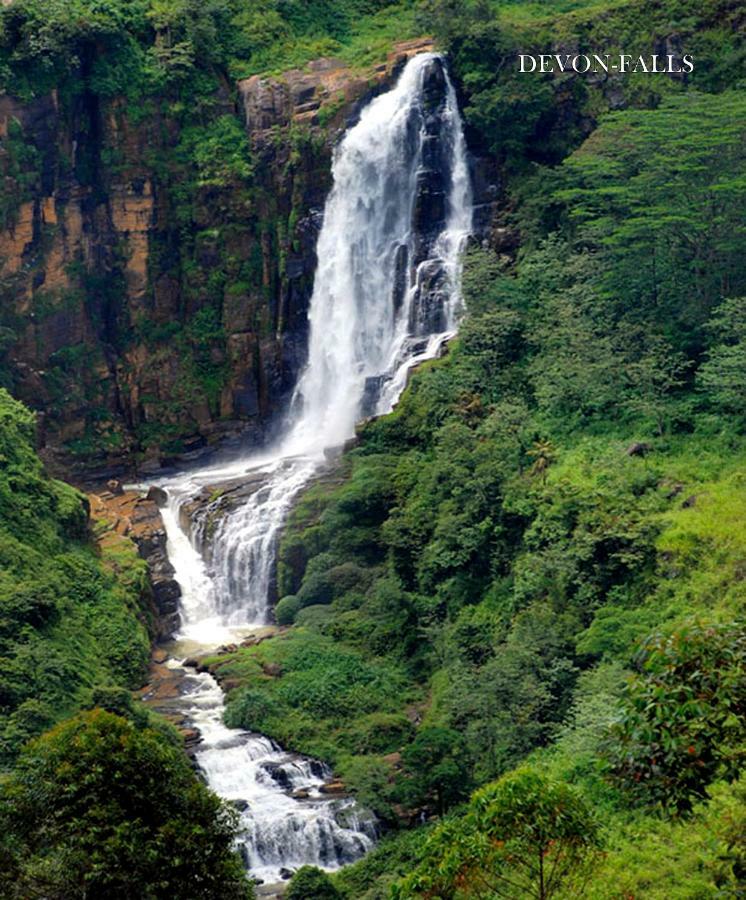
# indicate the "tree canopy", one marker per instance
pixel 100 807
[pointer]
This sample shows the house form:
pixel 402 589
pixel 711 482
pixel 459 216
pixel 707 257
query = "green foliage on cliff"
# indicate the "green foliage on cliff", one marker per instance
pixel 69 620
pixel 101 808
pixel 141 48
pixel 539 118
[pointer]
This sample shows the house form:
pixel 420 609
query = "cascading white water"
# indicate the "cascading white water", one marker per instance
pixel 385 297
pixel 277 830
pixel 368 253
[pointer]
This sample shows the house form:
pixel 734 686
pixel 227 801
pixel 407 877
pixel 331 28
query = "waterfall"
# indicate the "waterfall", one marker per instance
pixel 285 821
pixel 386 296
pixel 386 281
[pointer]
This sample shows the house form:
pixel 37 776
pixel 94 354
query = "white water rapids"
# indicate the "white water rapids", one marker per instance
pixel 385 297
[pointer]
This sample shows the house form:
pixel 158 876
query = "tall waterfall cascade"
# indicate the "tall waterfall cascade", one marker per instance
pixel 385 290
pixel 385 297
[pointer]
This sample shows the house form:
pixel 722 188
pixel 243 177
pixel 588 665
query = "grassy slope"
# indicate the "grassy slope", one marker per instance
pixel 70 620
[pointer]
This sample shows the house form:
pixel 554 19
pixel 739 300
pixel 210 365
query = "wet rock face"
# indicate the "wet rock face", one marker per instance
pixel 204 512
pixel 295 772
pixel 426 313
pixel 147 531
pixel 129 514
pixel 434 179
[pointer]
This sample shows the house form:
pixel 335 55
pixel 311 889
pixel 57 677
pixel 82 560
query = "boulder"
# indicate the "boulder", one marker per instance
pixel 638 448
pixel 157 495
pixel 333 787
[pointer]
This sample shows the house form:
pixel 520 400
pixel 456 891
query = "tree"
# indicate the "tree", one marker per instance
pixel 683 720
pixel 723 374
pixel 523 836
pixel 652 379
pixel 310 883
pixel 434 766
pixel 99 808
pixel 543 454
pixel 664 216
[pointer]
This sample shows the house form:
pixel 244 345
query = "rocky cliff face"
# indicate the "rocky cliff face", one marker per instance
pixel 149 309
pixel 121 514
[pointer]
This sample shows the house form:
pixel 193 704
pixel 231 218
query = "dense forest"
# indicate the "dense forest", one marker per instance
pixel 515 607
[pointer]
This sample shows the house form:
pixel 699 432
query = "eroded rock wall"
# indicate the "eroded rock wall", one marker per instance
pixel 145 317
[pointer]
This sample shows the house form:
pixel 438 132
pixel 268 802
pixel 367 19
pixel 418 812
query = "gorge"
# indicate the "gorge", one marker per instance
pixel 334 559
pixel 386 296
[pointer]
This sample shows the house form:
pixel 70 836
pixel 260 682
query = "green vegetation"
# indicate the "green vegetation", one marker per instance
pixel 106 803
pixel 521 598
pixel 310 883
pixel 540 119
pixel 69 621
pixel 19 160
pixel 301 691
pixel 542 540
pixel 523 836
pixel 99 807
pixel 146 47
pixel 683 716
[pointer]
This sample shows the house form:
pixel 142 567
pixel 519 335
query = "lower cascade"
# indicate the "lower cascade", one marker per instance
pixel 386 296
pixel 278 831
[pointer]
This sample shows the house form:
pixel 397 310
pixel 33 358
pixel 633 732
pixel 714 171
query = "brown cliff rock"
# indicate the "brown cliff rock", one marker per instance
pixel 130 514
pixel 326 86
pixel 143 325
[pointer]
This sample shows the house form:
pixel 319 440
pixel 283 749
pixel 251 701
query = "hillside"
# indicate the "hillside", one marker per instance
pixel 551 510
pixel 513 608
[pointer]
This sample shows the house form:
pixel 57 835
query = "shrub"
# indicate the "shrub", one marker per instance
pixel 380 732
pixel 248 708
pixel 683 720
pixel 310 883
pixel 316 616
pixel 287 609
